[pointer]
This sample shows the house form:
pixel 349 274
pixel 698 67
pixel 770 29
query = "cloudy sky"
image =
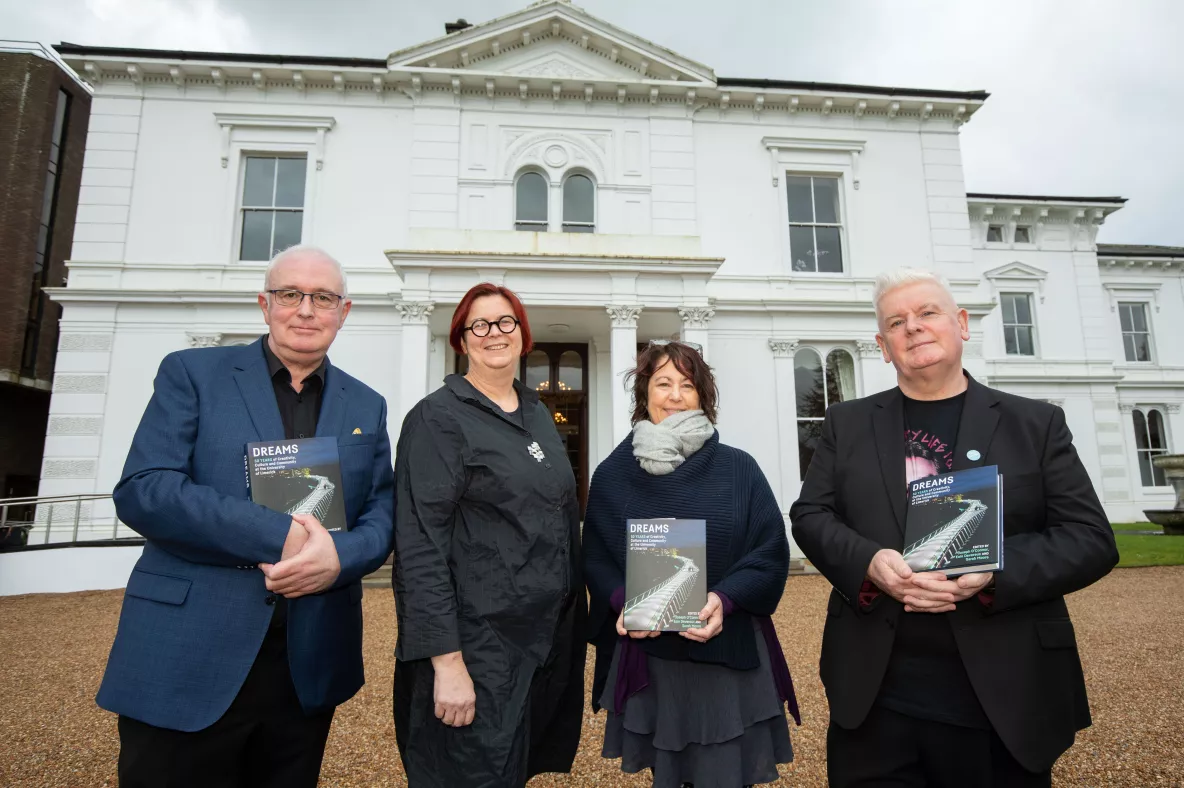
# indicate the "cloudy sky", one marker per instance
pixel 1087 95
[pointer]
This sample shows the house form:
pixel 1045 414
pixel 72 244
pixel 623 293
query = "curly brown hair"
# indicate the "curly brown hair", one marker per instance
pixel 686 360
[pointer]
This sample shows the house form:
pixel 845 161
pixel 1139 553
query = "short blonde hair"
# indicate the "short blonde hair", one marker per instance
pixel 891 280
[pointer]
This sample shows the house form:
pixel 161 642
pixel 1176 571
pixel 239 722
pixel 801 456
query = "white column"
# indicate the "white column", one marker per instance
pixel 623 356
pixel 415 353
pixel 694 325
pixel 789 482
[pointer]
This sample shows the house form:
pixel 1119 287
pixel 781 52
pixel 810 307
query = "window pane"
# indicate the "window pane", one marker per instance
pixel 800 203
pixel 1155 428
pixel 1010 341
pixel 1138 317
pixel 1124 317
pixel 1024 339
pixel 59 117
pixel 807 376
pixel 1142 346
pixel 801 248
pixel 287 230
pixel 289 186
pixel 256 243
pixel 994 234
pixel 259 182
pixel 579 199
pixel 571 371
pixel 830 250
pixel 1145 475
pixel 1008 304
pixel 538 371
pixel 1128 347
pixel 826 200
pixel 808 434
pixel 1023 235
pixel 840 377
pixel 532 198
pixel 1140 430
pixel 1023 308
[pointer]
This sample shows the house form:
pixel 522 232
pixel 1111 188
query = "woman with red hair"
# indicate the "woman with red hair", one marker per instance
pixel 489 671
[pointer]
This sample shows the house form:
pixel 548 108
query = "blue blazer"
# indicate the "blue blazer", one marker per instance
pixel 192 622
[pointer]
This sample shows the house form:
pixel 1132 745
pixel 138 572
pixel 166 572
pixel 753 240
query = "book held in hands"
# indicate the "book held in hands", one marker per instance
pixel 298 477
pixel 954 523
pixel 665 574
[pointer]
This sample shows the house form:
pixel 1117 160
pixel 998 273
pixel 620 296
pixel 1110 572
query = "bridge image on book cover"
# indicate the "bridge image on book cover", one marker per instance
pixel 318 501
pixel 656 607
pixel 939 547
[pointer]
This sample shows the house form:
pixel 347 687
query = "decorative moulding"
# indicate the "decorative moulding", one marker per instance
pixel 868 348
pixel 783 348
pixel 230 121
pixel 415 312
pixel 623 315
pixel 85 343
pixel 1128 291
pixel 777 144
pixel 696 316
pixel 204 340
pixel 1020 274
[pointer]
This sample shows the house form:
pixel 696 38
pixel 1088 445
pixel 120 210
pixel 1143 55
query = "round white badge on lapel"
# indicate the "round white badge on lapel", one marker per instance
pixel 973 455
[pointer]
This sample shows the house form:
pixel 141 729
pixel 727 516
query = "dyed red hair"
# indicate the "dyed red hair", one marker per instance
pixel 456 333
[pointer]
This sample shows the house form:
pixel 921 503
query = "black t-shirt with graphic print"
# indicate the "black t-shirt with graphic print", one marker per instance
pixel 926 677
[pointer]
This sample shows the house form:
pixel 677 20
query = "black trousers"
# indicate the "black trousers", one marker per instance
pixel 264 739
pixel 892 749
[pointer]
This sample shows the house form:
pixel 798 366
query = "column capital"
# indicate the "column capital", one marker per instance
pixel 1125 407
pixel 623 315
pixel 867 348
pixel 415 312
pixel 782 347
pixel 696 316
pixel 204 340
pixel 1173 407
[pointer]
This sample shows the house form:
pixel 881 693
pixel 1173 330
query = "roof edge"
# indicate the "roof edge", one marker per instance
pixel 1043 198
pixel 77 50
pixel 741 82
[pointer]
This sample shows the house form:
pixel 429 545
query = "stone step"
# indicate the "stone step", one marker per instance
pixel 379 577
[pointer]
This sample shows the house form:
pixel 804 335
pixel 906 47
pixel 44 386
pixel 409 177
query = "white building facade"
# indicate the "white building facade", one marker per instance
pixel 626 193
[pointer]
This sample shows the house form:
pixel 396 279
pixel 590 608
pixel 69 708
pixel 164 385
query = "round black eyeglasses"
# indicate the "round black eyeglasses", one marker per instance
pixel 481 327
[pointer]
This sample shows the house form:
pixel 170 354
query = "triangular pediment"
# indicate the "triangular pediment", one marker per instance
pixel 1016 270
pixel 552 39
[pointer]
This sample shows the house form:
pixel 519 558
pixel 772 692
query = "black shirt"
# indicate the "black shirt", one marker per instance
pixel 299 412
pixel 926 677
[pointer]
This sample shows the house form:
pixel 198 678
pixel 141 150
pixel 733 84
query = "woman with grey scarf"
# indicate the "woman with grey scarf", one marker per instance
pixel 704 707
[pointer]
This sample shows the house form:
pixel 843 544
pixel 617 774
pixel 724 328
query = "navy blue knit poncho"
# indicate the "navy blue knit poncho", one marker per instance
pixel 747 551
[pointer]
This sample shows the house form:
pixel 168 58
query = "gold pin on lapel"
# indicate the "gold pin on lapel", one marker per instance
pixel 357 430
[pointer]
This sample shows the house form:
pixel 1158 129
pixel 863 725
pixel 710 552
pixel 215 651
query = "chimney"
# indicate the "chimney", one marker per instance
pixel 455 27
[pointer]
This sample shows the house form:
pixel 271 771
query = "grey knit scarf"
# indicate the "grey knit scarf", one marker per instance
pixel 662 447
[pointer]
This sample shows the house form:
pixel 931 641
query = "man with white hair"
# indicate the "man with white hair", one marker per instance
pixel 936 681
pixel 241 628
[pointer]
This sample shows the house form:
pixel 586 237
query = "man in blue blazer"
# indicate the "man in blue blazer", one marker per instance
pixel 241 628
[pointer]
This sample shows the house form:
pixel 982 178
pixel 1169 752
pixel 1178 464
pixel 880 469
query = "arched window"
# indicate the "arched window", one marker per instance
pixel 1151 440
pixel 579 204
pixel 538 371
pixel 531 203
pixel 817 388
pixel 571 371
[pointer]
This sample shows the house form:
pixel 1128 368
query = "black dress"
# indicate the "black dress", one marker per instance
pixel 486 563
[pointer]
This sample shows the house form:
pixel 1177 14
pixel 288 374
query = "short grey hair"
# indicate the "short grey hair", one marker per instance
pixel 305 250
pixel 891 280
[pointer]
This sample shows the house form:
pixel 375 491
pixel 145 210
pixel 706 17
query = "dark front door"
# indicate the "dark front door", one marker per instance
pixel 558 372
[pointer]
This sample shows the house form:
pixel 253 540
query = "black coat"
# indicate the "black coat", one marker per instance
pixel 487 563
pixel 1020 653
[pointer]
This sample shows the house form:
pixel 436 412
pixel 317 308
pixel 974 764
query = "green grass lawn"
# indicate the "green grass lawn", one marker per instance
pixel 1149 550
pixel 1120 527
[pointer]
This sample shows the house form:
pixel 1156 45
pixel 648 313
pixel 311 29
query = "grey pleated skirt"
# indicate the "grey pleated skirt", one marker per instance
pixel 707 725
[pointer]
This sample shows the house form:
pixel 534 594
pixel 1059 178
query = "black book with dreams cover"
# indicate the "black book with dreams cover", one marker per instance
pixel 955 522
pixel 298 477
pixel 665 574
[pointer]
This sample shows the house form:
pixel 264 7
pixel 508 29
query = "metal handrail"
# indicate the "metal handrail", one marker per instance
pixel 52 501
